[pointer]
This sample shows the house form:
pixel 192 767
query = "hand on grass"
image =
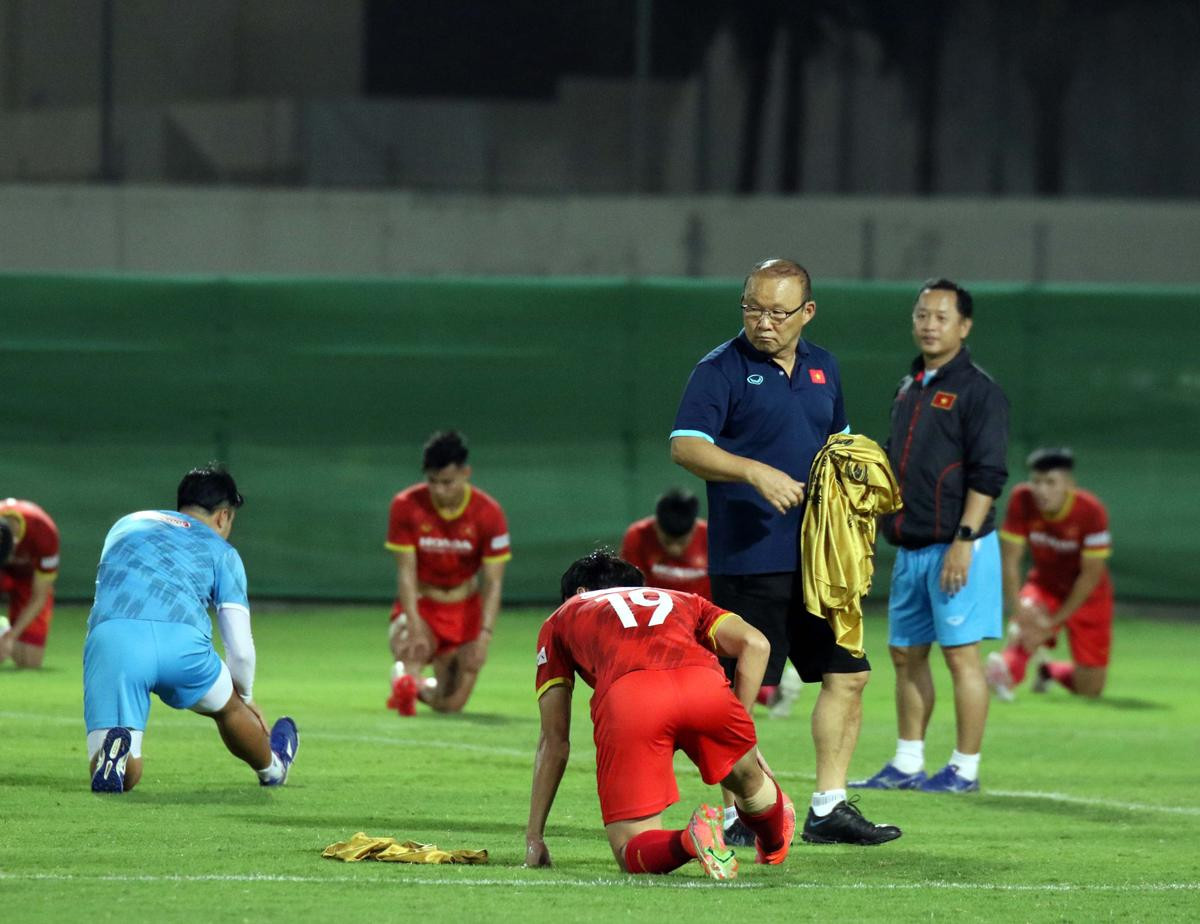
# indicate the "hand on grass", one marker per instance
pixel 536 853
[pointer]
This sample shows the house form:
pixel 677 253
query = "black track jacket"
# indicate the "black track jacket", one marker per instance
pixel 947 435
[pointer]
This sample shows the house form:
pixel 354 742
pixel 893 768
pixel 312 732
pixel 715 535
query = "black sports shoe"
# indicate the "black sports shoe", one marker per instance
pixel 738 835
pixel 846 825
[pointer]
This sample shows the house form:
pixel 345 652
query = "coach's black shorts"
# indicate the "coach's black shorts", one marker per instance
pixel 774 604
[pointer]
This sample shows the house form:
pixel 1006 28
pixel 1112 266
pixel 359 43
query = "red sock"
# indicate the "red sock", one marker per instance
pixel 656 852
pixel 1017 659
pixel 764 695
pixel 1063 672
pixel 767 827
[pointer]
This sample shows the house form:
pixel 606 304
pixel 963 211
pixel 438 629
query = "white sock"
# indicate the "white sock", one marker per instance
pixel 824 802
pixel 968 765
pixel 910 756
pixel 272 773
pixel 730 816
pixel 397 669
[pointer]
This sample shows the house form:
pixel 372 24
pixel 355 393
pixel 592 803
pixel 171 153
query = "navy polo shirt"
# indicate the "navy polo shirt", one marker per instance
pixel 741 400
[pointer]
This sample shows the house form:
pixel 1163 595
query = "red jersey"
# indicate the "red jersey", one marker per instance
pixel 1058 544
pixel 36 538
pixel 450 547
pixel 688 572
pixel 603 635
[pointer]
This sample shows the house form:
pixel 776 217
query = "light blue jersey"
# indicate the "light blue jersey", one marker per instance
pixel 165 566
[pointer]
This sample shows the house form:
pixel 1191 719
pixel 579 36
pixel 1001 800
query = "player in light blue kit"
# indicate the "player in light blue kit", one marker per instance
pixel 150 631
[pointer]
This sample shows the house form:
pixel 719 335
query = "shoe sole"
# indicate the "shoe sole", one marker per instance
pixel 867 784
pixel 114 752
pixel 716 865
pixel 815 839
pixel 999 679
pixel 284 758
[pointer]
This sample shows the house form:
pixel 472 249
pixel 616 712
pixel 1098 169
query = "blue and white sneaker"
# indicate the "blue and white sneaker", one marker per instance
pixel 948 780
pixel 285 741
pixel 891 778
pixel 110 764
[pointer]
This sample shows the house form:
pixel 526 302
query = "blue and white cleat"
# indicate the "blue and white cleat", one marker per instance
pixel 891 778
pixel 948 780
pixel 285 741
pixel 109 775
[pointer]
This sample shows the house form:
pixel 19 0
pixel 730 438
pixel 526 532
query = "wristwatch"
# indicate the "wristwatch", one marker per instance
pixel 965 532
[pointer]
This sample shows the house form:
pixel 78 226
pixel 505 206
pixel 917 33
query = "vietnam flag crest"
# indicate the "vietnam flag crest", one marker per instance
pixel 944 400
pixel 817 376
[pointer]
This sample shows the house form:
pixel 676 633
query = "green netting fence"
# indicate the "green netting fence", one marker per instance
pixel 319 394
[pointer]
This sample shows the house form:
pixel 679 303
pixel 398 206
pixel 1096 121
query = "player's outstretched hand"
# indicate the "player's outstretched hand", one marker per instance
pixel 778 488
pixel 537 854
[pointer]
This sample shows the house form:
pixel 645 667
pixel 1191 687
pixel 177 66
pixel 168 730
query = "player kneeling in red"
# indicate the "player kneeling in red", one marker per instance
pixel 1066 531
pixel 650 656
pixel 451 545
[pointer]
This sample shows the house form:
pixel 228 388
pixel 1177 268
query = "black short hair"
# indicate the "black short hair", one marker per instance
pixel 597 570
pixel 446 447
pixel 1048 458
pixel 676 512
pixel 210 487
pixel 6 541
pixel 963 300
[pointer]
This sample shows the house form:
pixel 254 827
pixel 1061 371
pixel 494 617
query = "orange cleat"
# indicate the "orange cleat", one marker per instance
pixel 775 857
pixel 404 695
pixel 708 841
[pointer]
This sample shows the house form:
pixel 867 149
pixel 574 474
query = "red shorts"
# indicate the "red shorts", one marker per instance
pixel 1089 628
pixel 19 593
pixel 645 717
pixel 452 624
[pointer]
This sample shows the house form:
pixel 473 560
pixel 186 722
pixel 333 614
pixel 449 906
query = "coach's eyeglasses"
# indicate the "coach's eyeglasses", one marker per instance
pixel 777 315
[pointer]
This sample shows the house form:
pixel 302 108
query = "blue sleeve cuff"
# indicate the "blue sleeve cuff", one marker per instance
pixel 702 435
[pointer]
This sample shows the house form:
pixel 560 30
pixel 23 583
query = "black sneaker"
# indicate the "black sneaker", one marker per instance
pixel 846 825
pixel 738 835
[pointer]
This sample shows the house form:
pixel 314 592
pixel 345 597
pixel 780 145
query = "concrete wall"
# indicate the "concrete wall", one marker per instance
pixel 175 50
pixel 246 230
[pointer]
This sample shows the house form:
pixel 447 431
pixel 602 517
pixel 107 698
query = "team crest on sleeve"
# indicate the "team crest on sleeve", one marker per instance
pixel 541 658
pixel 944 400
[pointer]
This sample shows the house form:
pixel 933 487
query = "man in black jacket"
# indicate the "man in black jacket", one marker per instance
pixel 947 445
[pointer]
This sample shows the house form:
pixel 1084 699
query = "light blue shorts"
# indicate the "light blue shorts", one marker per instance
pixel 125 660
pixel 920 612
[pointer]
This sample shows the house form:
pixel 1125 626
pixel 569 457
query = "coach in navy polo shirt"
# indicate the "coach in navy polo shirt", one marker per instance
pixel 754 414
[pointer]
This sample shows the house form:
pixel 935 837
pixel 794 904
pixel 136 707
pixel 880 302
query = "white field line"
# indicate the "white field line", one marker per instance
pixel 581 753
pixel 1102 803
pixel 457 881
pixel 1050 797
pixel 388 740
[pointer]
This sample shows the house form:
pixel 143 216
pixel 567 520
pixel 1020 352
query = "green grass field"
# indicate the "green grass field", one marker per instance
pixel 1091 810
